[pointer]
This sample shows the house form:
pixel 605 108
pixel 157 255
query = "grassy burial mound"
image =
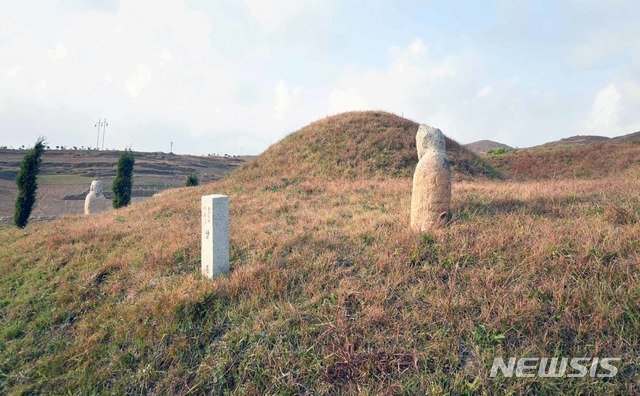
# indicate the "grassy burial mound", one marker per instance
pixel 329 291
pixel 357 145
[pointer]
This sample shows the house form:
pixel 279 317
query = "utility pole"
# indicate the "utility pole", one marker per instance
pixel 98 125
pixel 102 124
pixel 104 129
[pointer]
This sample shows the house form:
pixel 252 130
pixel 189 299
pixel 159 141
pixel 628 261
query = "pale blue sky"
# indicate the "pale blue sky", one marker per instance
pixel 236 76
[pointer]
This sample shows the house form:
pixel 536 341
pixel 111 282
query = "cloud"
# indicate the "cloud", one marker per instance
pixel 606 108
pixel 417 48
pixel 143 64
pixel 59 51
pixel 283 98
pixel 603 32
pixel 165 56
pixel 158 52
pixel 274 14
pixel 13 71
pixel 138 80
pixel 452 92
pixel 346 99
pixel 486 90
pixel 411 83
pixel 614 109
pixel 236 76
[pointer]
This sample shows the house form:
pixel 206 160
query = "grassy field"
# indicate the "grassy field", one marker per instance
pixel 329 291
pixel 63 179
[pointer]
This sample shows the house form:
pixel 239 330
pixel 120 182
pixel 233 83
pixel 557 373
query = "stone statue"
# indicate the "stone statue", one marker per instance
pixel 431 193
pixel 95 200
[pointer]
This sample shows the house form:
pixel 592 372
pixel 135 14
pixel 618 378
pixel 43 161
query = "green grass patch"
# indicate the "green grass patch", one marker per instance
pixel 63 179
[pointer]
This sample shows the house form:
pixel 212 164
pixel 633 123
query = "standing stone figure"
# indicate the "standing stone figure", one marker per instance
pixel 431 193
pixel 95 200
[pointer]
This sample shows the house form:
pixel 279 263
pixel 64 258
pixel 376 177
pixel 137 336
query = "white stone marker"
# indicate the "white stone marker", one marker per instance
pixel 95 201
pixel 215 235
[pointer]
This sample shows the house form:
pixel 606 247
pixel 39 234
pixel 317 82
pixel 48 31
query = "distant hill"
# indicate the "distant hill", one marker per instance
pixel 577 140
pixel 630 138
pixel 593 139
pixel 92 163
pixel 482 146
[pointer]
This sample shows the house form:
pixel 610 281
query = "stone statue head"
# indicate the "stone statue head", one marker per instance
pixel 96 187
pixel 429 139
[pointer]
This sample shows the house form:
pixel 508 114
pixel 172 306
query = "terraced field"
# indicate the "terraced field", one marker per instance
pixel 66 176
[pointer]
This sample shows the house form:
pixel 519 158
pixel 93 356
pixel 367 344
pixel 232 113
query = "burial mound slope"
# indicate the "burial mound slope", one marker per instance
pixel 329 291
pixel 358 145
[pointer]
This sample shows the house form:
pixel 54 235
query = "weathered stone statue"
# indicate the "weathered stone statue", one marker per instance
pixel 95 200
pixel 431 193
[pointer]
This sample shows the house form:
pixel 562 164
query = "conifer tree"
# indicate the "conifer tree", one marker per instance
pixel 192 180
pixel 27 183
pixel 124 179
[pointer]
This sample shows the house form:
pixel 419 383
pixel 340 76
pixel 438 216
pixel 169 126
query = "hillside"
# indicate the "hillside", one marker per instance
pixel 93 163
pixel 329 292
pixel 577 140
pixel 482 146
pixel 629 138
pixel 593 139
pixel 66 175
pixel 588 161
pixel 580 156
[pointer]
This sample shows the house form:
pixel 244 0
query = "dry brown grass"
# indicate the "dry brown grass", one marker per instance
pixel 567 161
pixel 328 292
pixel 357 145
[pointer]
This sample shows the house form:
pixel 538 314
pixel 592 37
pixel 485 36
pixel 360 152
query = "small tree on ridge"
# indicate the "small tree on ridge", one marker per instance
pixel 192 180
